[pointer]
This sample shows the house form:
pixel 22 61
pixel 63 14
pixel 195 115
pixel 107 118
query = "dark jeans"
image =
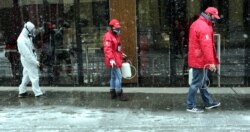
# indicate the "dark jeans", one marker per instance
pixel 199 81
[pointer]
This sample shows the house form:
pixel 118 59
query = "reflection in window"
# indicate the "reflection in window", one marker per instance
pixel 162 34
pixel 57 42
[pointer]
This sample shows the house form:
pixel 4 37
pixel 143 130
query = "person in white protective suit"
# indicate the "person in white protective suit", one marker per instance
pixel 29 61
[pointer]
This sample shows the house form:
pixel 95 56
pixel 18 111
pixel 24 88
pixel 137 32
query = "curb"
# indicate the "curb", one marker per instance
pixel 150 90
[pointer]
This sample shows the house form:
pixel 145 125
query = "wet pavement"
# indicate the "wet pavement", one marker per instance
pixel 82 110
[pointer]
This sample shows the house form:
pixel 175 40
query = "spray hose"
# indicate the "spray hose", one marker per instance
pixel 204 73
pixel 204 79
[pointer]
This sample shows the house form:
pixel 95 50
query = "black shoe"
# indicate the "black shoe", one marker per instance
pixel 113 94
pixel 24 95
pixel 121 96
pixel 41 96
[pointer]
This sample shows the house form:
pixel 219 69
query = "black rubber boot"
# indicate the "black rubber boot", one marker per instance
pixel 113 94
pixel 121 96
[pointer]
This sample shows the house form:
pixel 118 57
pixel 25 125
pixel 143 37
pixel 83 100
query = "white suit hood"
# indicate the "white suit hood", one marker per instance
pixel 28 29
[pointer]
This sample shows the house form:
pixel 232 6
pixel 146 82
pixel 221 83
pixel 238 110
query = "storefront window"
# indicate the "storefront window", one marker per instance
pixel 69 44
pixel 94 18
pixel 163 27
pixel 162 33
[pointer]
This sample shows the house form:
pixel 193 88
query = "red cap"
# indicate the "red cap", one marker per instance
pixel 213 11
pixel 114 23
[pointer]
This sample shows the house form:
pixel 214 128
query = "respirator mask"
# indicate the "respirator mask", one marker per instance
pixel 208 17
pixel 116 30
pixel 31 34
pixel 214 20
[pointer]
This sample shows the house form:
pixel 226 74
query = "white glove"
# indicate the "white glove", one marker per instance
pixel 124 55
pixel 38 64
pixel 112 63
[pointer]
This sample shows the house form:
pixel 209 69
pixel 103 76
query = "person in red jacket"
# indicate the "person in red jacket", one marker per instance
pixel 113 59
pixel 11 52
pixel 201 57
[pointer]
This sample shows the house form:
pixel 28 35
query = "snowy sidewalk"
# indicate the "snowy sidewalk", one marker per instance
pixel 90 109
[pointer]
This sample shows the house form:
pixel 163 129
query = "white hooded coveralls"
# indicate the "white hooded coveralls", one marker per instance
pixel 28 60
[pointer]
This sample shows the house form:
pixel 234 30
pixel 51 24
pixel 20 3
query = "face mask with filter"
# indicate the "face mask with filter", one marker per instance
pixel 116 30
pixel 30 33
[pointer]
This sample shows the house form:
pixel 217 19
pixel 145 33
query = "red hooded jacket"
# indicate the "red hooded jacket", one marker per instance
pixel 112 49
pixel 201 49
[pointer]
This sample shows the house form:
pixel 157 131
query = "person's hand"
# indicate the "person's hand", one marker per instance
pixel 38 64
pixel 112 63
pixel 212 67
pixel 124 55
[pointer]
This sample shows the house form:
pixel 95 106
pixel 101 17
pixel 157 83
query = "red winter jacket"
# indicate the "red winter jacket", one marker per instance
pixel 201 49
pixel 111 42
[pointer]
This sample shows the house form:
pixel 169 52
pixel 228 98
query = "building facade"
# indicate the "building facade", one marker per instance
pixel 154 35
